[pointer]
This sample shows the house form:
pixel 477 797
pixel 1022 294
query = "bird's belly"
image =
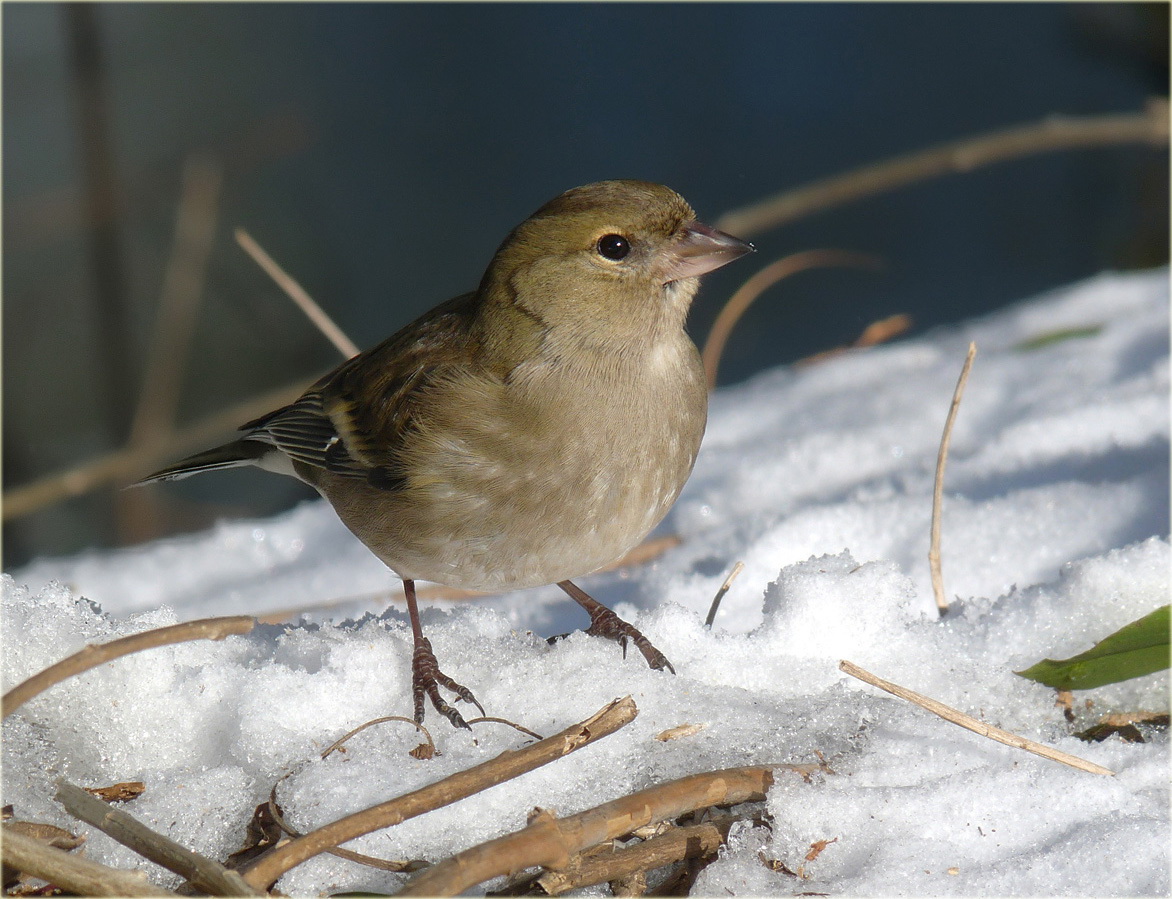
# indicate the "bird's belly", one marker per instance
pixel 502 528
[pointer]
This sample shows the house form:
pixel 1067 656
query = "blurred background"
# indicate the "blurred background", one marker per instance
pixel 381 152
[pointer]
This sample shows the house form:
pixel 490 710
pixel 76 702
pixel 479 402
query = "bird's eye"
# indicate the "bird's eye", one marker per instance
pixel 613 247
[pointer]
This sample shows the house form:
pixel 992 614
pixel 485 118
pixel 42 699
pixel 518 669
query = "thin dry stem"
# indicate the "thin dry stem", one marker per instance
pixel 724 588
pixel 203 873
pixel 135 461
pixel 342 740
pixel 183 280
pixel 877 332
pixel 553 843
pixel 98 654
pixel 969 723
pixel 195 228
pixel 79 876
pixel 506 766
pixel 1052 133
pixel 740 301
pixel 297 293
pixel 938 486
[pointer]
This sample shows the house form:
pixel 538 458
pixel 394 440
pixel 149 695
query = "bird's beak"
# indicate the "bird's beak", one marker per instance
pixel 699 249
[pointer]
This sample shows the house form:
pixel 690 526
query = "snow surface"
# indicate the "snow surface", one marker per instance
pixel 1056 523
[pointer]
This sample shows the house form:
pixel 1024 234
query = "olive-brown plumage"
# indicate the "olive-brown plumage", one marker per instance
pixel 526 433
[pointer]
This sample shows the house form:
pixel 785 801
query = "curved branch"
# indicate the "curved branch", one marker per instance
pixel 552 843
pixel 98 654
pixel 267 869
pixel 1052 133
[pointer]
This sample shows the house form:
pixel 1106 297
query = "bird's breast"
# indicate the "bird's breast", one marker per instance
pixel 552 474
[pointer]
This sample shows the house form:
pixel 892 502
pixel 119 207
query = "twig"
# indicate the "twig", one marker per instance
pixel 938 486
pixel 520 728
pixel 203 873
pixel 133 462
pixel 195 229
pixel 342 740
pixel 98 654
pixel 758 284
pixel 877 332
pixel 1053 133
pixel 77 875
pixel 506 766
pixel 552 843
pixel 675 845
pixel 732 576
pixel 297 293
pixel 179 301
pixel 969 723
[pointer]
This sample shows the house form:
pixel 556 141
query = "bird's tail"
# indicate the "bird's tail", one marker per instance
pixel 230 455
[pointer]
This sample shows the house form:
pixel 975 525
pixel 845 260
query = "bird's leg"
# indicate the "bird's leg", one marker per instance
pixel 605 623
pixel 426 677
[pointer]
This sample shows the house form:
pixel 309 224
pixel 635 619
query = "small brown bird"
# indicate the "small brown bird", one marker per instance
pixel 526 433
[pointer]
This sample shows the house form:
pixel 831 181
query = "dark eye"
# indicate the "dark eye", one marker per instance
pixel 614 246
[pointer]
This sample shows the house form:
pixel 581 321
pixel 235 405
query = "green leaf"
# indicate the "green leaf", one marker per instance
pixel 1134 650
pixel 1059 336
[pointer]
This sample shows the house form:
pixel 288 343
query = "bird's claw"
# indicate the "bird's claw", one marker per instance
pixel 605 623
pixel 426 679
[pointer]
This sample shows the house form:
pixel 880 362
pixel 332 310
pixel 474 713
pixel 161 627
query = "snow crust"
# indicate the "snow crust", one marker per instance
pixel 1056 523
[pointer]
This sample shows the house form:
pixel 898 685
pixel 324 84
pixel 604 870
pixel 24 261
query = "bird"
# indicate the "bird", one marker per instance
pixel 527 433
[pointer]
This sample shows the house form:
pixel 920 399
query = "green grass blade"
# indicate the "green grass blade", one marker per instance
pixel 1134 650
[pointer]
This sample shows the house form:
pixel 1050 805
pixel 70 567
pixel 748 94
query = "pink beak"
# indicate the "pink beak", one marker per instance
pixel 699 249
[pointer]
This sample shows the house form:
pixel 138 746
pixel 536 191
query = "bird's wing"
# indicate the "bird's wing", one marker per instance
pixel 352 421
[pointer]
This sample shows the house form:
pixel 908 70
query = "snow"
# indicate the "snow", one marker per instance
pixel 1056 523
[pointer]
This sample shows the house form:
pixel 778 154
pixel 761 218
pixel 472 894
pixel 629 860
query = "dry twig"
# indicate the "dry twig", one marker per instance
pixel 77 875
pixel 297 293
pixel 676 844
pixel 98 654
pixel 506 766
pixel 877 332
pixel 969 723
pixel 179 301
pixel 938 486
pixel 553 843
pixel 195 228
pixel 740 301
pixel 203 873
pixel 133 462
pixel 1053 133
pixel 724 588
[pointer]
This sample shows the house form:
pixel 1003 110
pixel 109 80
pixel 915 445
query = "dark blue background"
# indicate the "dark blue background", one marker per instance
pixel 380 153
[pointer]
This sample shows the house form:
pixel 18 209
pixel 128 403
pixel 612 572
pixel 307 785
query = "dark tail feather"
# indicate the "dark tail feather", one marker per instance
pixel 230 455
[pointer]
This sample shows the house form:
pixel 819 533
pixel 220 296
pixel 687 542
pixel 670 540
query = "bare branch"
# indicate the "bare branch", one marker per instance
pixel 740 301
pixel 133 462
pixel 969 723
pixel 297 293
pixel 183 280
pixel 77 875
pixel 1053 133
pixel 938 486
pixel 675 845
pixel 98 654
pixel 553 843
pixel 506 766
pixel 203 873
pixel 724 588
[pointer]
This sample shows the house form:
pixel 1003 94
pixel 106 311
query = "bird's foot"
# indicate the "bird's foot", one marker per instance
pixel 605 623
pixel 426 679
